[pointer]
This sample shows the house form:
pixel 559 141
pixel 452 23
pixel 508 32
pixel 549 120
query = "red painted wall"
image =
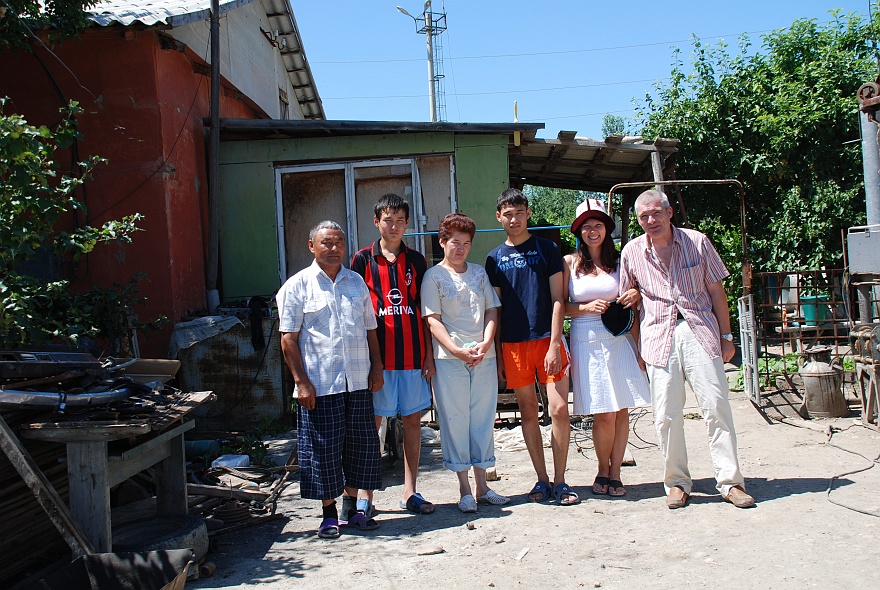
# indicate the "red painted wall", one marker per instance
pixel 145 108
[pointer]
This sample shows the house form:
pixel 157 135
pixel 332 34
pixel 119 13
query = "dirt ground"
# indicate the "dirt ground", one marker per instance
pixel 794 538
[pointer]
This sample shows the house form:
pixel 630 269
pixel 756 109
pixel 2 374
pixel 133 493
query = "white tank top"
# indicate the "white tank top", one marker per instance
pixel 586 288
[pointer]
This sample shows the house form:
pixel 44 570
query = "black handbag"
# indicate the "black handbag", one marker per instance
pixel 618 319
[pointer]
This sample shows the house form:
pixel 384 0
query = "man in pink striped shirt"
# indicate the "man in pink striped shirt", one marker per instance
pixel 685 336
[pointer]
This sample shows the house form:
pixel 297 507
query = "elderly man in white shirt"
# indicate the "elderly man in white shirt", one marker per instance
pixel 328 338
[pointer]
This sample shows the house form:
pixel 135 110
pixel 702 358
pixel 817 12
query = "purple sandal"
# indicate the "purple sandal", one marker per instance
pixel 359 521
pixel 329 528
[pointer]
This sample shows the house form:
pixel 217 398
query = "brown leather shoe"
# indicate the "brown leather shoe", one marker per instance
pixel 677 498
pixel 739 498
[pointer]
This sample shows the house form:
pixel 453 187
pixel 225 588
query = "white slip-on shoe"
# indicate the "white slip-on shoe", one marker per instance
pixel 493 498
pixel 467 504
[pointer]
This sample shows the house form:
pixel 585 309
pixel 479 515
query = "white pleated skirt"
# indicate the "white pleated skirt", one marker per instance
pixel 605 374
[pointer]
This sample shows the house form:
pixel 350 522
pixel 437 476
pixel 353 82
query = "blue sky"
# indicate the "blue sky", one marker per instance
pixel 565 62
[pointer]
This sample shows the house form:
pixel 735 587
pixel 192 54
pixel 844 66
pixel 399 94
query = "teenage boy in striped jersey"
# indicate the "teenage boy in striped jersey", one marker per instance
pixel 393 272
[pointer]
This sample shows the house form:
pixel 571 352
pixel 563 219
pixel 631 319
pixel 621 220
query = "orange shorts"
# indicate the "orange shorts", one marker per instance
pixel 523 359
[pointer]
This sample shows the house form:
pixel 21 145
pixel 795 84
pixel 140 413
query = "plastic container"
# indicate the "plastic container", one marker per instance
pixel 198 449
pixel 814 308
pixel 231 461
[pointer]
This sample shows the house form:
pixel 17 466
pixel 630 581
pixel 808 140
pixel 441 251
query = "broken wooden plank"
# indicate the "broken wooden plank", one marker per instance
pixel 66 432
pixel 225 492
pixel 186 404
pixel 44 492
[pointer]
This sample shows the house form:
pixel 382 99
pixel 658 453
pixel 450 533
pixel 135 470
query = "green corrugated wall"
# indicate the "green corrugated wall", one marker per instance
pixel 481 173
pixel 249 229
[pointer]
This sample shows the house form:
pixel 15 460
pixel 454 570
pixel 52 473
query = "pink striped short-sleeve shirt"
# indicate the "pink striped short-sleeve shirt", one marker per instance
pixel 694 266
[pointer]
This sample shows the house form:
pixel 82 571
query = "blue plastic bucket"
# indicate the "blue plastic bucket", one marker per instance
pixel 814 308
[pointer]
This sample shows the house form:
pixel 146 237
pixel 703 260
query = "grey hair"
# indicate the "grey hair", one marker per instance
pixel 324 225
pixel 650 196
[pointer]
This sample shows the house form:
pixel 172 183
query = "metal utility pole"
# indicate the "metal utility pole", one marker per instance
pixel 432 24
pixel 212 294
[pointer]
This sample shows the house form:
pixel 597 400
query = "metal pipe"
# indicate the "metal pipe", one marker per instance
pixel 746 264
pixel 871 166
pixel 429 24
pixel 11 398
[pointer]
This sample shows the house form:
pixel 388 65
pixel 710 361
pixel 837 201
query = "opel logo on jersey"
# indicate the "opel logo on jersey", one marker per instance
pixel 395 298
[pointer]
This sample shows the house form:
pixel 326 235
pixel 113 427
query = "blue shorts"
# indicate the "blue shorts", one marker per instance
pixel 406 392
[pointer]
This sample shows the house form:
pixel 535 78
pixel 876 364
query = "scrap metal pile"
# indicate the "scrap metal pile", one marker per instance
pixel 63 381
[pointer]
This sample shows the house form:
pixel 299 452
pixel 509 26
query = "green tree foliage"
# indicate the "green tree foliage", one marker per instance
pixel 35 193
pixel 779 120
pixel 555 206
pixel 19 18
pixel 613 125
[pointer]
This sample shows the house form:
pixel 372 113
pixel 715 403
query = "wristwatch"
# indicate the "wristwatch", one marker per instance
pixel 728 337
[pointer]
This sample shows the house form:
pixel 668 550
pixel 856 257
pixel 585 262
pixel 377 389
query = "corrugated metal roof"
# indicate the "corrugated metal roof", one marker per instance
pixel 587 164
pixel 159 12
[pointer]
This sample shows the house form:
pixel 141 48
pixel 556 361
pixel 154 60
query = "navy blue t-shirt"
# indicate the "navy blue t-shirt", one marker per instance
pixel 522 273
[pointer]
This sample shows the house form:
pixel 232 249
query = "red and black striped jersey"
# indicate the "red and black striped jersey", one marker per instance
pixel 395 289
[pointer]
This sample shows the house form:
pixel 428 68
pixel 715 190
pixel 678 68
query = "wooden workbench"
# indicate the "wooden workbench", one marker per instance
pixel 92 470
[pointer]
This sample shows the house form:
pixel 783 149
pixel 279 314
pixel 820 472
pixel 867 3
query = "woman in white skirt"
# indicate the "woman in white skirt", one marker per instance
pixel 607 373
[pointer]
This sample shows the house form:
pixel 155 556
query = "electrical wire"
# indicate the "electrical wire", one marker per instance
pixel 542 53
pixel 829 433
pixel 872 463
pixel 46 47
pixel 582 433
pixel 448 48
pixel 583 115
pixel 494 92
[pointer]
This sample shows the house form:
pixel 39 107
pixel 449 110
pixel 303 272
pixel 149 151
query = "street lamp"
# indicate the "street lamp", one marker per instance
pixel 431 25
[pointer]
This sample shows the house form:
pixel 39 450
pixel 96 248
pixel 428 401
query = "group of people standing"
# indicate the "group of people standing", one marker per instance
pixel 363 344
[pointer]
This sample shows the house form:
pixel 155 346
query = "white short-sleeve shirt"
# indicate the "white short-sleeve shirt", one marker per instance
pixel 332 319
pixel 461 300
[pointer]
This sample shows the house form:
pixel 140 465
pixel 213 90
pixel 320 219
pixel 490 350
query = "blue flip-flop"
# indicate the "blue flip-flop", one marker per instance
pixel 561 490
pixel 543 488
pixel 417 504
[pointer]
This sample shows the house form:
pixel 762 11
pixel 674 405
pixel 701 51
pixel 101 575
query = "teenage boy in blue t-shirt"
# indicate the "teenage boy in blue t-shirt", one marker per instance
pixel 526 272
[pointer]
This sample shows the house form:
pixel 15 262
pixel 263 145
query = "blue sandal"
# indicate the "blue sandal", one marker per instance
pixel 417 504
pixel 543 488
pixel 563 489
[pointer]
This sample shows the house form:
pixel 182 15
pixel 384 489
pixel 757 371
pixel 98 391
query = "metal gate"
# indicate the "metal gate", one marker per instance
pixel 749 345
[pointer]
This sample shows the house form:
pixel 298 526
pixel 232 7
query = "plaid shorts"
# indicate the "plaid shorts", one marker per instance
pixel 338 445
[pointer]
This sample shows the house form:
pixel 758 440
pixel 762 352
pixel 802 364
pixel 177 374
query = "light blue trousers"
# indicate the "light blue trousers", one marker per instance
pixel 466 400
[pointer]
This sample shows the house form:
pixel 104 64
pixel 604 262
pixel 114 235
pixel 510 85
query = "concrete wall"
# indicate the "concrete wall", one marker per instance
pixel 247 59
pixel 144 110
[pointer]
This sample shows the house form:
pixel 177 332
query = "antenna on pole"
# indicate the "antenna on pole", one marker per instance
pixel 432 25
